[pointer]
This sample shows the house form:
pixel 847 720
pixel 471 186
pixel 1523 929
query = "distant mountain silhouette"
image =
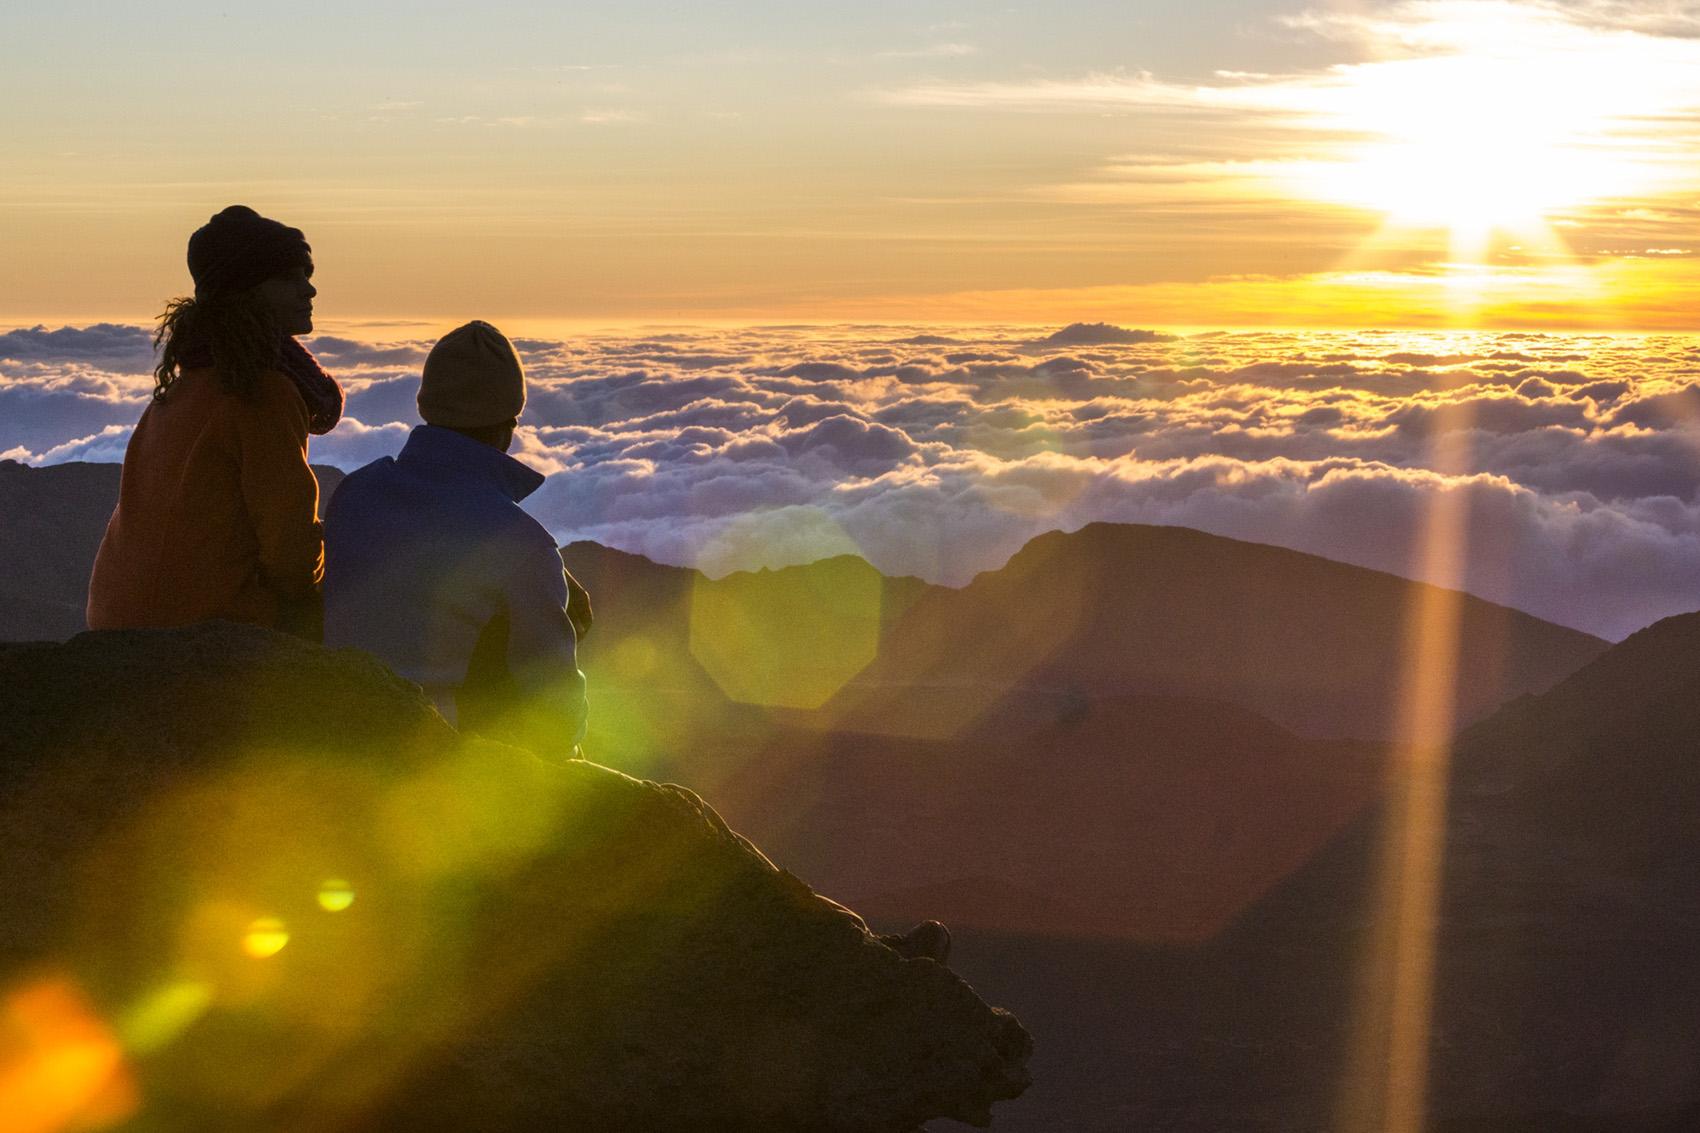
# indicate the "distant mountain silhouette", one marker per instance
pixel 51 522
pixel 1147 819
pixel 1110 610
pixel 1315 645
pixel 1569 921
pixel 1090 724
pixel 1098 334
pixel 1571 904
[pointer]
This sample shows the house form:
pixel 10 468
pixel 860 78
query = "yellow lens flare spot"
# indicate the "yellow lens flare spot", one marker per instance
pixel 265 938
pixel 484 812
pixel 335 895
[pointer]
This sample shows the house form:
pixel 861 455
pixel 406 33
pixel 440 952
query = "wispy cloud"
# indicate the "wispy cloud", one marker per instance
pixel 951 50
pixel 605 117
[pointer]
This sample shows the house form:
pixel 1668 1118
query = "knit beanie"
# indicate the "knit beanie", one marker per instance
pixel 238 249
pixel 472 379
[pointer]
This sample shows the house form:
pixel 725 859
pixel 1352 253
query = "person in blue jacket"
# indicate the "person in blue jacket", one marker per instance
pixel 432 566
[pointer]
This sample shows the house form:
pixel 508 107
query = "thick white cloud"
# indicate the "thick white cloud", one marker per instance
pixel 1574 459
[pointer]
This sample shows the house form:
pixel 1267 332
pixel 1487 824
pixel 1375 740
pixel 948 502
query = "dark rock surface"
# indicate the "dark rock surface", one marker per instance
pixel 290 897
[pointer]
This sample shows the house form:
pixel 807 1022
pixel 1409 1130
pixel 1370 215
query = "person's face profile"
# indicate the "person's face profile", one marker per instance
pixel 290 299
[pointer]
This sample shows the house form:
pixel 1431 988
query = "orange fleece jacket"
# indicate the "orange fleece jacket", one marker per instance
pixel 216 513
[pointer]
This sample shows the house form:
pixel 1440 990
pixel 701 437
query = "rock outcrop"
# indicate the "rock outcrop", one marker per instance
pixel 251 884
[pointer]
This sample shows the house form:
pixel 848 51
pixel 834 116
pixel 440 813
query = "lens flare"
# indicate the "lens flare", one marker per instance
pixel 160 1016
pixel 789 638
pixel 265 938
pixel 335 895
pixel 1386 1086
pixel 635 658
pixel 61 1067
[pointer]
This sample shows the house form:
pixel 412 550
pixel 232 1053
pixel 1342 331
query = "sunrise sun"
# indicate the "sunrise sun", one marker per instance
pixel 1490 119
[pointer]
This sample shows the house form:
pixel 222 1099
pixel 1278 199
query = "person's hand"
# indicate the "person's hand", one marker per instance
pixel 578 605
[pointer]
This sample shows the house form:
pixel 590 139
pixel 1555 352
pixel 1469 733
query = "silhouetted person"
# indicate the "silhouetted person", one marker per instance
pixel 432 567
pixel 217 508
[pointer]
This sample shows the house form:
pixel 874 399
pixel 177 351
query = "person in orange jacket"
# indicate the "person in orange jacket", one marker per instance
pixel 217 506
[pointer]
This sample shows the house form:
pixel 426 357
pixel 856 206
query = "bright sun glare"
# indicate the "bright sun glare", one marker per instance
pixel 1486 117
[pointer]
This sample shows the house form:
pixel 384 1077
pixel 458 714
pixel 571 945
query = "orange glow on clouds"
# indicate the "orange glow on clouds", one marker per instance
pixel 1609 295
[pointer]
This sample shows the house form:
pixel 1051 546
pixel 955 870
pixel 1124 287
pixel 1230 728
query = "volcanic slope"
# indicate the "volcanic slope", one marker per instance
pixel 1111 610
pixel 1564 978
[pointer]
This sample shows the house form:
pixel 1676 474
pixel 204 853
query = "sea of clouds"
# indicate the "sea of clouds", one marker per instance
pixel 1570 462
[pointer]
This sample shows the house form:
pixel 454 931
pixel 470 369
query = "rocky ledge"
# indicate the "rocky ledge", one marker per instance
pixel 246 883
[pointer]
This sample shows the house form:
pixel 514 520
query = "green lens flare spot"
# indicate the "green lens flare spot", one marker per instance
pixel 335 895
pixel 167 1011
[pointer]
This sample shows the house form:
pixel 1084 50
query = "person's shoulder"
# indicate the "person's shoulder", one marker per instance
pixel 270 396
pixel 273 385
pixel 522 530
pixel 382 466
pixel 366 480
pixel 370 475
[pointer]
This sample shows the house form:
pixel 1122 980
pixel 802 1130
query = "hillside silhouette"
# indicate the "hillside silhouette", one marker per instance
pixel 1105 739
pixel 1564 982
pixel 1110 610
pixel 245 883
pixel 1097 334
pixel 1136 818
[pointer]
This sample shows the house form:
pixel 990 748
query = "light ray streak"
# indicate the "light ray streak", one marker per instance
pixel 1388 1064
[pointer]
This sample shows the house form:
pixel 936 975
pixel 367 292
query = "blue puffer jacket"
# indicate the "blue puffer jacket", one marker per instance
pixel 426 552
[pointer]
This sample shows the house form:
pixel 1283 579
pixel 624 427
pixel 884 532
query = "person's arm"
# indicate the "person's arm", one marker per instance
pixel 543 648
pixel 578 605
pixel 280 490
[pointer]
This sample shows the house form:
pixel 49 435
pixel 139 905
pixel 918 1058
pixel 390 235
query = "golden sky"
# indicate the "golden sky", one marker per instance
pixel 1208 163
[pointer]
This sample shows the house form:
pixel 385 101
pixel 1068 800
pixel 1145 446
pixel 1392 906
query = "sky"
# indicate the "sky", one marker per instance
pixel 1170 163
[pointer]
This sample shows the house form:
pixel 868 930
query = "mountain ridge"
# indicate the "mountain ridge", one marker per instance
pixel 1315 645
pixel 1310 643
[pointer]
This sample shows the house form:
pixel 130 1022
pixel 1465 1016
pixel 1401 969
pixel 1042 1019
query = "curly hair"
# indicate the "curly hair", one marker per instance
pixel 238 333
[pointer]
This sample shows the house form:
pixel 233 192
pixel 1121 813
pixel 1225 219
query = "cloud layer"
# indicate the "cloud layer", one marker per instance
pixel 1571 461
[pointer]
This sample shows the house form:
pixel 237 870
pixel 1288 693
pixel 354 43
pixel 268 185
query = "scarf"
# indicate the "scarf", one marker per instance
pixel 320 391
pixel 317 388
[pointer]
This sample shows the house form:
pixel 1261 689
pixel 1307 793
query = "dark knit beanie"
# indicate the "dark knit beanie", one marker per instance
pixel 472 379
pixel 239 249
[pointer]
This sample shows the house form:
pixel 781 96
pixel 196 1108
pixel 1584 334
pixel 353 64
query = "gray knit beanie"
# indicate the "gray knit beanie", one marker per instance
pixel 473 379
